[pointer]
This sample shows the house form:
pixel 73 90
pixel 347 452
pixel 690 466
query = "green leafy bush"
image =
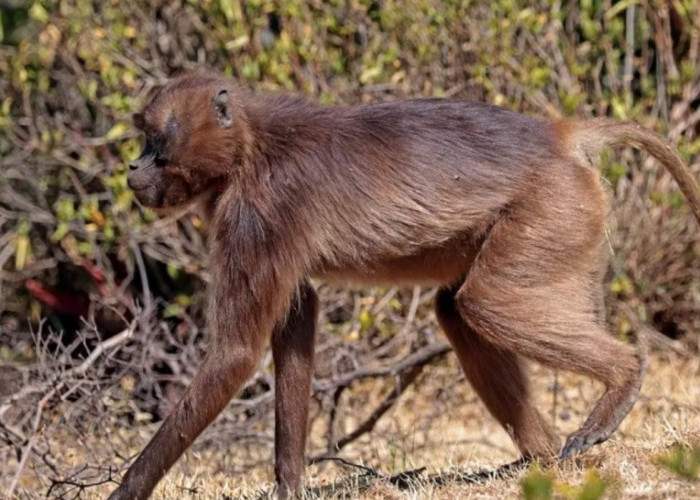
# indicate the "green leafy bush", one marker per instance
pixel 539 485
pixel 73 72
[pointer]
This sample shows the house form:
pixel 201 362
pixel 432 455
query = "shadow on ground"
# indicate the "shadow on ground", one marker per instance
pixel 353 485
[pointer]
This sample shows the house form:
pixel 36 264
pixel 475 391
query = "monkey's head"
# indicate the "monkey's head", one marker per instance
pixel 192 128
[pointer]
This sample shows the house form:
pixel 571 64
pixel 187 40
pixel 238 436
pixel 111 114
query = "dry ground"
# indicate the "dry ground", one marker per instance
pixel 441 426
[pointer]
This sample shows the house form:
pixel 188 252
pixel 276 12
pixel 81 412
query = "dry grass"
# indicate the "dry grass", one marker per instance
pixel 441 426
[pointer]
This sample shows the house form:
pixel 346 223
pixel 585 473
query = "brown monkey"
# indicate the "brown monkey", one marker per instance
pixel 503 211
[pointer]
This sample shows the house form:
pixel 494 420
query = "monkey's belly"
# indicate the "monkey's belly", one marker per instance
pixel 433 267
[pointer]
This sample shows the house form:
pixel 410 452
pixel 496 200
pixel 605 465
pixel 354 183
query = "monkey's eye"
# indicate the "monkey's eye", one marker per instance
pixel 160 161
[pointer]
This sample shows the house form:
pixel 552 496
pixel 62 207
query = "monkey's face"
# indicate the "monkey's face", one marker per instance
pixel 189 142
pixel 147 174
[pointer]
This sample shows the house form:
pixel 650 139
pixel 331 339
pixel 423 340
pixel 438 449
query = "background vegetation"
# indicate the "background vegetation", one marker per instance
pixel 82 263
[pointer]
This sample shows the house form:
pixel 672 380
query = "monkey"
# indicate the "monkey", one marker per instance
pixel 503 212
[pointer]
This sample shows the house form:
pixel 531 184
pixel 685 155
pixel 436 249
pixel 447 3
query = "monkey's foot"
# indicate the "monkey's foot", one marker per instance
pixel 581 440
pixel 607 415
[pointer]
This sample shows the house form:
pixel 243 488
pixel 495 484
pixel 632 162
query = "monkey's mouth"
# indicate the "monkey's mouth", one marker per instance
pixel 149 196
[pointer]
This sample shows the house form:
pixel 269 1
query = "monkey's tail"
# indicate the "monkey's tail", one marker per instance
pixel 590 136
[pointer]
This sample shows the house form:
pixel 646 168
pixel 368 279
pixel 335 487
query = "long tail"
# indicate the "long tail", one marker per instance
pixel 588 137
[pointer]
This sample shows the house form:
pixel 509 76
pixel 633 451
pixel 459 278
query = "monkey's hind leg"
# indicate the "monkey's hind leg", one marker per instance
pixel 499 379
pixel 530 292
pixel 293 352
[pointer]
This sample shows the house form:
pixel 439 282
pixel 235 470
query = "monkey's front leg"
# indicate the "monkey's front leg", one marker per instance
pixel 293 352
pixel 223 372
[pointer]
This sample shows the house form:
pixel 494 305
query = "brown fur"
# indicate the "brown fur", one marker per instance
pixel 501 210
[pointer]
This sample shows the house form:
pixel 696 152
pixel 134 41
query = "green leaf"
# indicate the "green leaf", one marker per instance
pixel 684 461
pixel 537 485
pixel 593 486
pixel 366 320
pixel 38 13
pixel 116 131
pixel 227 9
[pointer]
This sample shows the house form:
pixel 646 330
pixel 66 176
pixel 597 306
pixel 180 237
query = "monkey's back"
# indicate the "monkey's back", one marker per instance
pixel 418 178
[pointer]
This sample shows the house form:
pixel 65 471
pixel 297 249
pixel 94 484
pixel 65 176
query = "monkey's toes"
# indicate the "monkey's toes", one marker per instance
pixel 581 440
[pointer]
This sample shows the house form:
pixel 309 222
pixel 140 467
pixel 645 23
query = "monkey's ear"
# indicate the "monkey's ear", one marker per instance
pixel 222 109
pixel 139 121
